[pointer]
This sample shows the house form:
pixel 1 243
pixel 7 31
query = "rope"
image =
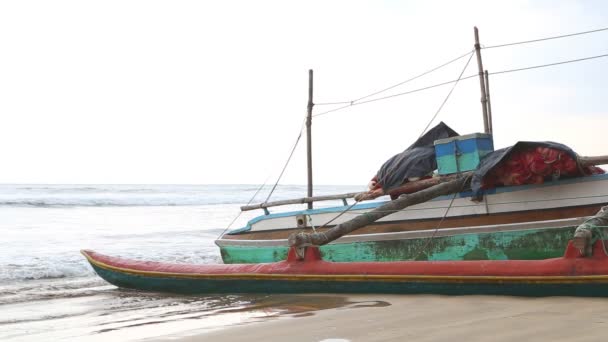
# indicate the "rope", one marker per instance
pixel 398 84
pixel 448 96
pixel 396 95
pixel 340 214
pixel 543 39
pixel 381 181
pixel 433 118
pixel 454 60
pixel 457 80
pixel 240 212
pixel 356 101
pixel 548 65
pixel 597 232
pixel 286 163
pixel 428 240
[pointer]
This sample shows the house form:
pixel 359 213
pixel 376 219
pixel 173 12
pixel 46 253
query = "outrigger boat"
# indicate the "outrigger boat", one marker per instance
pixel 442 237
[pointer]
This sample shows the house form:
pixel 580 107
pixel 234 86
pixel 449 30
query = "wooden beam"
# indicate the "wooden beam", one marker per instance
pixel 484 99
pixel 487 79
pixel 591 161
pixel 299 201
pixel 409 187
pixel 360 221
pixel 309 137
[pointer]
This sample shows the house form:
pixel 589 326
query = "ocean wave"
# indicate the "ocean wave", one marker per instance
pixel 144 195
pixel 73 265
pixel 113 202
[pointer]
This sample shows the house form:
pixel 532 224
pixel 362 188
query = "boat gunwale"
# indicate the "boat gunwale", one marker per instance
pixel 374 204
pixel 417 234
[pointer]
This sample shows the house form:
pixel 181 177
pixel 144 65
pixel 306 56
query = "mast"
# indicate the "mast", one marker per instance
pixel 309 137
pixel 487 78
pixel 484 99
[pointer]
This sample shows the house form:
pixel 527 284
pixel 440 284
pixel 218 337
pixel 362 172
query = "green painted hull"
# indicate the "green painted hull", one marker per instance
pixel 533 244
pixel 197 286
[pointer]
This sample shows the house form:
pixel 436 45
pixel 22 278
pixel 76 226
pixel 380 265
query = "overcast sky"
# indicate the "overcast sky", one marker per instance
pixel 215 91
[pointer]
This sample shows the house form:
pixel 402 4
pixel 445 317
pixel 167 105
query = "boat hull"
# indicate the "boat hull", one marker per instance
pixel 540 220
pixel 570 275
pixel 465 244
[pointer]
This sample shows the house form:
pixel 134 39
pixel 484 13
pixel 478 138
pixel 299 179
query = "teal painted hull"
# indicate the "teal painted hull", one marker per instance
pixel 197 286
pixel 533 244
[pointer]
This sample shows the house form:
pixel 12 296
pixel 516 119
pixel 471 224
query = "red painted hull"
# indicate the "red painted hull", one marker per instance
pixel 571 265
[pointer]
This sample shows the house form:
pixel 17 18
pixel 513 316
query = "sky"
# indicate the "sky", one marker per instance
pixel 215 92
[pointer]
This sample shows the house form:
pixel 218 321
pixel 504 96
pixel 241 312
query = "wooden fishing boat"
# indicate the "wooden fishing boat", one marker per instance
pixel 571 275
pixel 509 223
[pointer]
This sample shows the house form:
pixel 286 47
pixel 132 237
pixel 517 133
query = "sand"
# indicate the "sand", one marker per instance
pixel 427 318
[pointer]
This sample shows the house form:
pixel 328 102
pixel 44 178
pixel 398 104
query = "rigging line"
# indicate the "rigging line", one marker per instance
pixel 340 214
pixel 448 96
pixel 417 90
pixel 543 39
pixel 420 250
pixel 395 85
pixel 434 116
pixel 392 170
pixel 287 162
pixel 334 110
pixel 461 79
pixel 548 65
pixel 398 94
pixel 240 212
pixel 332 103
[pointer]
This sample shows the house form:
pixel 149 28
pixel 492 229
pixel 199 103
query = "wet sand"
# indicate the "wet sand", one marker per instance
pixel 423 318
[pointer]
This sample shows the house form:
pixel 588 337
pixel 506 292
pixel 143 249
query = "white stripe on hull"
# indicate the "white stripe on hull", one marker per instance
pixel 587 191
pixel 419 234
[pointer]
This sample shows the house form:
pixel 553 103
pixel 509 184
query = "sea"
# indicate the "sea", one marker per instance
pixel 48 292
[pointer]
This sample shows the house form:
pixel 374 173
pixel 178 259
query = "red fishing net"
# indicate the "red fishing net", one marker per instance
pixel 535 166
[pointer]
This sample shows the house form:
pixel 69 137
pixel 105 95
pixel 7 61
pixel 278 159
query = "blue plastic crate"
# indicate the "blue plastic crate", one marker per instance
pixel 462 153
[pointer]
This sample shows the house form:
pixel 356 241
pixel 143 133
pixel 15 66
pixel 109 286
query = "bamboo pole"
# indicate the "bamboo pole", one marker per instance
pixel 406 188
pixel 309 137
pixel 360 221
pixel 299 201
pixel 490 125
pixel 482 85
pixel 591 161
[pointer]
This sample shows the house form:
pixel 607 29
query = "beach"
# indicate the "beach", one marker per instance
pixel 49 292
pixel 427 318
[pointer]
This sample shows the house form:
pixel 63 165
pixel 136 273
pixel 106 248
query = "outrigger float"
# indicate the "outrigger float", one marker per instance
pixel 581 271
pixel 570 275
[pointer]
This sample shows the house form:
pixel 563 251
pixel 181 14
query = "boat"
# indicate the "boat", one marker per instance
pixel 465 229
pixel 507 222
pixel 569 275
pixel 521 222
pixel 510 223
